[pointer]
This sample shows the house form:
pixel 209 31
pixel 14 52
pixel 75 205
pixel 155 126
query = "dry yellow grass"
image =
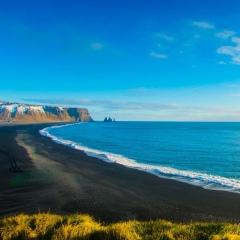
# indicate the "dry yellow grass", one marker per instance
pixel 79 226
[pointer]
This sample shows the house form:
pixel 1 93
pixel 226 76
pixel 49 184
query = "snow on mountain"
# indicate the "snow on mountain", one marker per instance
pixel 16 112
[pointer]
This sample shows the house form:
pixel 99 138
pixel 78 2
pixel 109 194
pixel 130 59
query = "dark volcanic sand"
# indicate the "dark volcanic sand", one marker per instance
pixel 64 180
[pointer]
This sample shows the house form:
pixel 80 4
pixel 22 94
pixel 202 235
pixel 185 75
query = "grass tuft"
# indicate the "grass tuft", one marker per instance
pixel 83 227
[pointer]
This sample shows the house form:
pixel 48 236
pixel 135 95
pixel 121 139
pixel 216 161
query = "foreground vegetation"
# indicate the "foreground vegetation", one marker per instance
pixel 78 226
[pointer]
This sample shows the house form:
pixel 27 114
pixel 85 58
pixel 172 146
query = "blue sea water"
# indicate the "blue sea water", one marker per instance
pixel 200 153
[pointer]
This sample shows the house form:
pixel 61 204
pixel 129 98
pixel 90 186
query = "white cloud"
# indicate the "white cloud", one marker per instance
pixel 236 40
pixel 233 51
pixel 96 45
pixel 158 55
pixel 222 63
pixel 236 60
pixel 225 34
pixel 166 37
pixel 204 25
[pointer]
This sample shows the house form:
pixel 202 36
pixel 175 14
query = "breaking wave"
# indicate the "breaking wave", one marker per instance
pixel 204 180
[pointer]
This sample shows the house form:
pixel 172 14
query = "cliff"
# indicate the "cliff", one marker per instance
pixel 16 112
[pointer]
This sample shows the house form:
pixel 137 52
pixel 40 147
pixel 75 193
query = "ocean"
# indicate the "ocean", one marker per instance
pixel 205 154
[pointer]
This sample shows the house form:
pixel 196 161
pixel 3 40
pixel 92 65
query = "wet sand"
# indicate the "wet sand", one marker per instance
pixel 37 174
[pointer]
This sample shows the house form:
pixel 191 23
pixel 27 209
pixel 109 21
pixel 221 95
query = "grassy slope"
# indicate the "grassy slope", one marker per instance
pixel 78 226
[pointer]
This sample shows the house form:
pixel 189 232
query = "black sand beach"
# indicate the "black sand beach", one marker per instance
pixel 37 174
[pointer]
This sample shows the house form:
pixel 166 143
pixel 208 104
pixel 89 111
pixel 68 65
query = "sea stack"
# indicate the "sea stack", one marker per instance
pixel 109 119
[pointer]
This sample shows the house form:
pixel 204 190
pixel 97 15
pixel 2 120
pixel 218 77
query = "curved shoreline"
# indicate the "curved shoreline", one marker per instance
pixel 66 180
pixel 204 180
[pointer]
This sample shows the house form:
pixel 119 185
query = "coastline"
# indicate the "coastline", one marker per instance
pixel 65 180
pixel 207 180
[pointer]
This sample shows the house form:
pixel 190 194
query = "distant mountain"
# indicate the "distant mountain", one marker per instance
pixel 16 112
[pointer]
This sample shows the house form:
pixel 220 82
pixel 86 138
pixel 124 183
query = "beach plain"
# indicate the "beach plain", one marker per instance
pixel 61 180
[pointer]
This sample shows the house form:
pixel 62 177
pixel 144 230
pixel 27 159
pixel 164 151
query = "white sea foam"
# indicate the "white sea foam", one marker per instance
pixel 204 180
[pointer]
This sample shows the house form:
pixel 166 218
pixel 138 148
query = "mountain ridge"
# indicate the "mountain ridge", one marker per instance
pixel 28 113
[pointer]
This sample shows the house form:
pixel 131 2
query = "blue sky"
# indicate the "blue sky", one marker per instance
pixel 132 60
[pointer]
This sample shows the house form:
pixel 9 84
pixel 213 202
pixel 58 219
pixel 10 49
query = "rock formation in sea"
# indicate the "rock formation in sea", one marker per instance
pixel 109 119
pixel 16 112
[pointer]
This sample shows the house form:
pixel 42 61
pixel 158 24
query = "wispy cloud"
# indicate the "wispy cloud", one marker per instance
pixel 143 92
pixel 204 25
pixel 149 110
pixel 225 34
pixel 232 85
pixel 128 105
pixel 222 63
pixel 158 55
pixel 164 36
pixel 96 45
pixel 233 51
pixel 194 88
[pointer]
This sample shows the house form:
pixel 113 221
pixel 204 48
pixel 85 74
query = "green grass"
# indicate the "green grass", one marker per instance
pixel 79 226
